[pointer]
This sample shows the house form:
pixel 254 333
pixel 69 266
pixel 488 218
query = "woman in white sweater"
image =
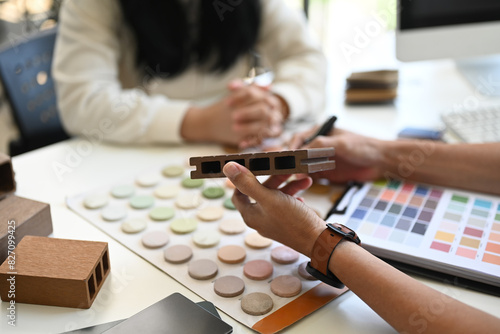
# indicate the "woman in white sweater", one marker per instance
pixel 151 71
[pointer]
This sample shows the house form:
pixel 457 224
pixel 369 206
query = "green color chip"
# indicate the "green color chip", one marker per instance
pixel 142 202
pixel 123 191
pixel 228 204
pixel 190 183
pixel 173 171
pixel 497 217
pixel 394 184
pixel 213 192
pixel 184 225
pixel 162 213
pixel 460 199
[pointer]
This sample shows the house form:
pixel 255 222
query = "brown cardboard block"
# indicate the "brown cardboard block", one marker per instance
pixel 57 272
pixel 19 217
pixel 7 182
pixel 267 163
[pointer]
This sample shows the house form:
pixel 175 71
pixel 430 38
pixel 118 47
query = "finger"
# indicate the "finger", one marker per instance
pixel 245 182
pixel 298 139
pixel 294 187
pixel 236 84
pixel 252 112
pixel 274 181
pixel 247 95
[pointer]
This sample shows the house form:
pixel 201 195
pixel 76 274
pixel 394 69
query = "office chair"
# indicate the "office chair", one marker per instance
pixel 25 71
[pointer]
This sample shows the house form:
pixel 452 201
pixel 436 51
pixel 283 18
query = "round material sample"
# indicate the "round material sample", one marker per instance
pixel 257 303
pixel 210 213
pixel 123 191
pixel 173 171
pixel 192 183
pixel 142 202
pixel 258 269
pixel 148 180
pixel 213 192
pixel 232 254
pixel 113 213
pixel 167 191
pixel 255 240
pixel 202 269
pixel 304 274
pixel 284 255
pixel 134 225
pixel 229 286
pixel 188 201
pixel 95 201
pixel 286 286
pixel 183 225
pixel 178 254
pixel 232 226
pixel 155 239
pixel 206 239
pixel 162 213
pixel 228 204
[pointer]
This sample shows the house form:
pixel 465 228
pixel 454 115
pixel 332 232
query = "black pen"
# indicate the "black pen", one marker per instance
pixel 322 131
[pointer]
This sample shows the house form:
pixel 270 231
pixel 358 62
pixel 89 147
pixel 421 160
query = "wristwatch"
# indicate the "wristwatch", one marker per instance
pixel 323 249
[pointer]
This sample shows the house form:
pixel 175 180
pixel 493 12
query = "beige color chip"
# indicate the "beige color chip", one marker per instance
pixel 257 303
pixel 188 201
pixel 155 239
pixel 232 226
pixel 135 225
pixel 173 171
pixel 319 189
pixel 303 272
pixel 178 254
pixel 202 269
pixel 148 180
pixel 167 191
pixel 232 254
pixel 229 286
pixel 284 255
pixel 113 213
pixel 184 225
pixel 286 286
pixel 206 239
pixel 95 201
pixel 258 269
pixel 255 240
pixel 210 213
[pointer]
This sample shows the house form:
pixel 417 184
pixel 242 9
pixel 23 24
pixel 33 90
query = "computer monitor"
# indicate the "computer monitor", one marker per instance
pixel 465 30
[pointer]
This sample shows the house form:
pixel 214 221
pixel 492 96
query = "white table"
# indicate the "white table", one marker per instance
pixel 134 284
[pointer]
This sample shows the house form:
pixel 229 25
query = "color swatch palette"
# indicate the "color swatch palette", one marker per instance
pixel 447 230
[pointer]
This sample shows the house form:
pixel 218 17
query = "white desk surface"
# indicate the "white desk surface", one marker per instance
pixel 135 284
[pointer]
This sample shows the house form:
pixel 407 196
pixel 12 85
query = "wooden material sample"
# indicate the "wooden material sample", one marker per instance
pixel 57 272
pixel 268 163
pixel 30 218
pixel 7 182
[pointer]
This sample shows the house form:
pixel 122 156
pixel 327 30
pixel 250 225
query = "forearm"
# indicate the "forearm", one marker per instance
pixel 474 167
pixel 406 304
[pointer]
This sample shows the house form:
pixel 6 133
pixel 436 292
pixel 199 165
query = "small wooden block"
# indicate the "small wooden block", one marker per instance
pixel 7 183
pixel 268 163
pixel 57 272
pixel 26 216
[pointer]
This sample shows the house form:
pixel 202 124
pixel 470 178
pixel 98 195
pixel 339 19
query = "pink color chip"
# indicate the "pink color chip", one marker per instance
pixel 284 255
pixel 303 272
pixel 473 232
pixel 286 286
pixel 408 187
pixel 440 246
pixel 402 198
pixel 258 270
pixel 382 232
pixel 490 258
pixel 388 195
pixel 466 252
pixel 494 237
pixel 492 247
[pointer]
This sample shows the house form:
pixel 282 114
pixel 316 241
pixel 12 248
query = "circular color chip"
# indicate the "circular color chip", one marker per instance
pixel 161 213
pixel 113 213
pixel 122 191
pixel 188 201
pixel 155 239
pixel 286 286
pixel 202 269
pixel 167 191
pixel 206 239
pixel 178 254
pixel 258 270
pixel 303 272
pixel 256 303
pixel 229 286
pixel 184 225
pixel 232 226
pixel 210 213
pixel 213 192
pixel 95 201
pixel 134 225
pixel 232 254
pixel 228 204
pixel 173 171
pixel 192 183
pixel 255 240
pixel 148 180
pixel 142 201
pixel 284 255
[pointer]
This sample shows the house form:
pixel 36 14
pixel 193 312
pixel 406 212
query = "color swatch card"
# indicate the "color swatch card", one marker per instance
pixel 190 229
pixel 445 230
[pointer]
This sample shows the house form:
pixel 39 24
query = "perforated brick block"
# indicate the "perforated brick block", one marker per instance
pixel 57 272
pixel 267 163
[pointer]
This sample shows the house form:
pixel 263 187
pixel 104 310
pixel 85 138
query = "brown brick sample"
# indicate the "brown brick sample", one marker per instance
pixel 57 272
pixel 267 163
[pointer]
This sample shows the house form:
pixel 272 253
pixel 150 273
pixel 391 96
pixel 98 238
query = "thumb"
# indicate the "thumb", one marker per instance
pixel 245 181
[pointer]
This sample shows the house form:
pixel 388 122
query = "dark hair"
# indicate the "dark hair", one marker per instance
pixel 224 31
